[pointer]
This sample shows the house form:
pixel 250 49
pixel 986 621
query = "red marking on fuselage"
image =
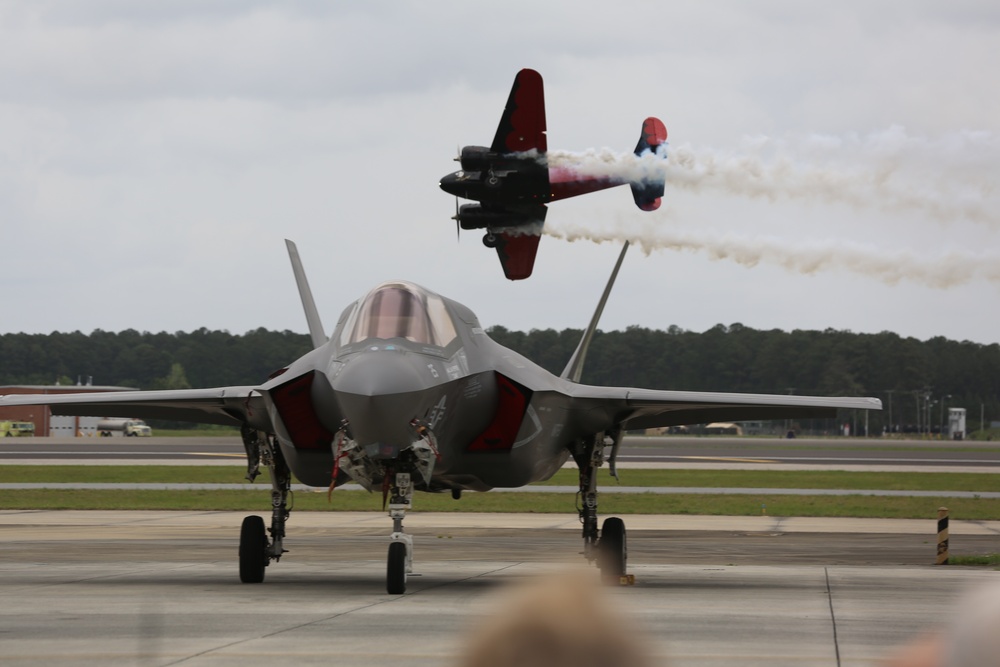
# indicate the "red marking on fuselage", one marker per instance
pixel 565 182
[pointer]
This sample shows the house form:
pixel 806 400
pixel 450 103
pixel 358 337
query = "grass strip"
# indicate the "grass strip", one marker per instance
pixel 764 479
pixel 989 560
pixel 611 503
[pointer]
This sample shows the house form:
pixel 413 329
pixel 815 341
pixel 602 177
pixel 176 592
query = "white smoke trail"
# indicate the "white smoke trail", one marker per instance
pixel 605 163
pixel 948 178
pixel 942 272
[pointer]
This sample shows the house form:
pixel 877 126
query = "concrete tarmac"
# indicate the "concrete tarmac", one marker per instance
pixel 161 588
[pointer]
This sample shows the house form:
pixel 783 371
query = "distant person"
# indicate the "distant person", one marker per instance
pixel 562 621
pixel 970 639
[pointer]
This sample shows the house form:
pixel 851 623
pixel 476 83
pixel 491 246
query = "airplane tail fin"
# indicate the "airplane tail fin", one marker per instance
pixel 648 194
pixel 574 369
pixel 316 330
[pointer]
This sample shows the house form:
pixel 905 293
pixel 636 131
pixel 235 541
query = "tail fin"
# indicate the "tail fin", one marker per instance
pixel 647 194
pixel 316 330
pixel 574 369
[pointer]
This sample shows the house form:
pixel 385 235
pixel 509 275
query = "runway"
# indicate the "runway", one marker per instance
pixel 160 588
pixel 871 454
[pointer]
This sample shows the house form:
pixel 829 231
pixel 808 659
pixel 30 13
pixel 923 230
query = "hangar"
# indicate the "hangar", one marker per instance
pixel 47 424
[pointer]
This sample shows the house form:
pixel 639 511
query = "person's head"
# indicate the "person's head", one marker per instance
pixel 561 621
pixel 970 638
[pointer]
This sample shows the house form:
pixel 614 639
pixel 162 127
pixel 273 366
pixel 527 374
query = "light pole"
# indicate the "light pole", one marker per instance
pixel 890 392
pixel 941 421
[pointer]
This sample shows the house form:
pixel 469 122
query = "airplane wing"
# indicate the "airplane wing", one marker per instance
pixel 522 127
pixel 517 254
pixel 517 246
pixel 230 406
pixel 634 409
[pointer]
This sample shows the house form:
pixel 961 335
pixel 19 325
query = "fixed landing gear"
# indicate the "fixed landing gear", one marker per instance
pixel 490 240
pixel 256 550
pixel 609 547
pixel 399 563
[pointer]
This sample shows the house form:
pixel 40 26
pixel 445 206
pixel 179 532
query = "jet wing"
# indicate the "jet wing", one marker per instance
pixel 522 127
pixel 220 405
pixel 634 409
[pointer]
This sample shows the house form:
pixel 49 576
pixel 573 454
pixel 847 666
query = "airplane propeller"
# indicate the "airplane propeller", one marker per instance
pixel 458 221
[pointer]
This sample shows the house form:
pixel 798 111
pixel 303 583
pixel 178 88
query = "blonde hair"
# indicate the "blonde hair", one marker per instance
pixel 561 621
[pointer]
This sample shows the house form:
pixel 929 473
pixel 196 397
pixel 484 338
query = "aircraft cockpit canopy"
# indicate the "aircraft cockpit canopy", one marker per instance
pixel 400 310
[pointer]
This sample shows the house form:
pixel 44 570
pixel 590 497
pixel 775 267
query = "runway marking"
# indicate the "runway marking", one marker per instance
pixel 813 459
pixel 233 456
pixel 727 458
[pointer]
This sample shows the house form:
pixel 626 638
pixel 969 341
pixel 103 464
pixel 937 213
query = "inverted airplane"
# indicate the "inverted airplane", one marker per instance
pixel 410 393
pixel 515 178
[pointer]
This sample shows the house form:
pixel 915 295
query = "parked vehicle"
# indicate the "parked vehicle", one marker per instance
pixel 12 429
pixel 132 428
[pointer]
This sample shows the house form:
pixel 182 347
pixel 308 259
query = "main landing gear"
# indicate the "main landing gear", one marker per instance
pixel 256 549
pixel 609 547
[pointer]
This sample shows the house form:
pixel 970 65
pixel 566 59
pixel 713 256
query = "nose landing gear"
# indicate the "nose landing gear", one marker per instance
pixel 400 561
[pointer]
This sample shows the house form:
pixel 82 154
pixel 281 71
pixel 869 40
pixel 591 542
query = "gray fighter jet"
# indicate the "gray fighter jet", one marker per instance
pixel 409 393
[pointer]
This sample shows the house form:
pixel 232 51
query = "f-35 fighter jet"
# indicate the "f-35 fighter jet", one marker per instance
pixel 409 393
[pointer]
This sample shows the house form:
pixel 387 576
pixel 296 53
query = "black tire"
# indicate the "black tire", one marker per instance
pixel 395 569
pixel 253 550
pixel 613 554
pixel 490 240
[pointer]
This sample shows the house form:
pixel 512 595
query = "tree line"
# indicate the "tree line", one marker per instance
pixel 917 380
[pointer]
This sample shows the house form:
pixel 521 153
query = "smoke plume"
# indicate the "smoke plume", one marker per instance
pixel 944 271
pixel 950 178
pixel 603 163
pixel 954 177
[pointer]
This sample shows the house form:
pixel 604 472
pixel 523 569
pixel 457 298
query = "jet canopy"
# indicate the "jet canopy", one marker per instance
pixel 400 310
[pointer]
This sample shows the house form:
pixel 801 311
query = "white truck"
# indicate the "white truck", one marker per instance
pixel 132 428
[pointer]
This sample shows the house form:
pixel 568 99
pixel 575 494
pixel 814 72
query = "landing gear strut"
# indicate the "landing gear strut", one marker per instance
pixel 256 550
pixel 608 547
pixel 400 561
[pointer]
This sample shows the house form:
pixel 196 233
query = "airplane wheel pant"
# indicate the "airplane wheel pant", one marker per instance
pixel 253 550
pixel 395 570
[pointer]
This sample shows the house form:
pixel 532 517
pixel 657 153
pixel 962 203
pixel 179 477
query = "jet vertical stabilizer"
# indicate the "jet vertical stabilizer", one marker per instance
pixel 574 369
pixel 316 330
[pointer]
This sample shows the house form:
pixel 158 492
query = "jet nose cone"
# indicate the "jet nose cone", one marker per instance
pixel 379 394
pixel 380 372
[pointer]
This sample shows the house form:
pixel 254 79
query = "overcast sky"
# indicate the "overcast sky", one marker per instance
pixel 832 165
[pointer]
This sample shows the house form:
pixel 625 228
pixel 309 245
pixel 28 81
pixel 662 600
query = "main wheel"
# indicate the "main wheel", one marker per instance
pixel 613 555
pixel 253 550
pixel 395 569
pixel 490 240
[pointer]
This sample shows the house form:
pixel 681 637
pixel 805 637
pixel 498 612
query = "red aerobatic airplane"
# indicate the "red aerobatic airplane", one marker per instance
pixel 516 177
